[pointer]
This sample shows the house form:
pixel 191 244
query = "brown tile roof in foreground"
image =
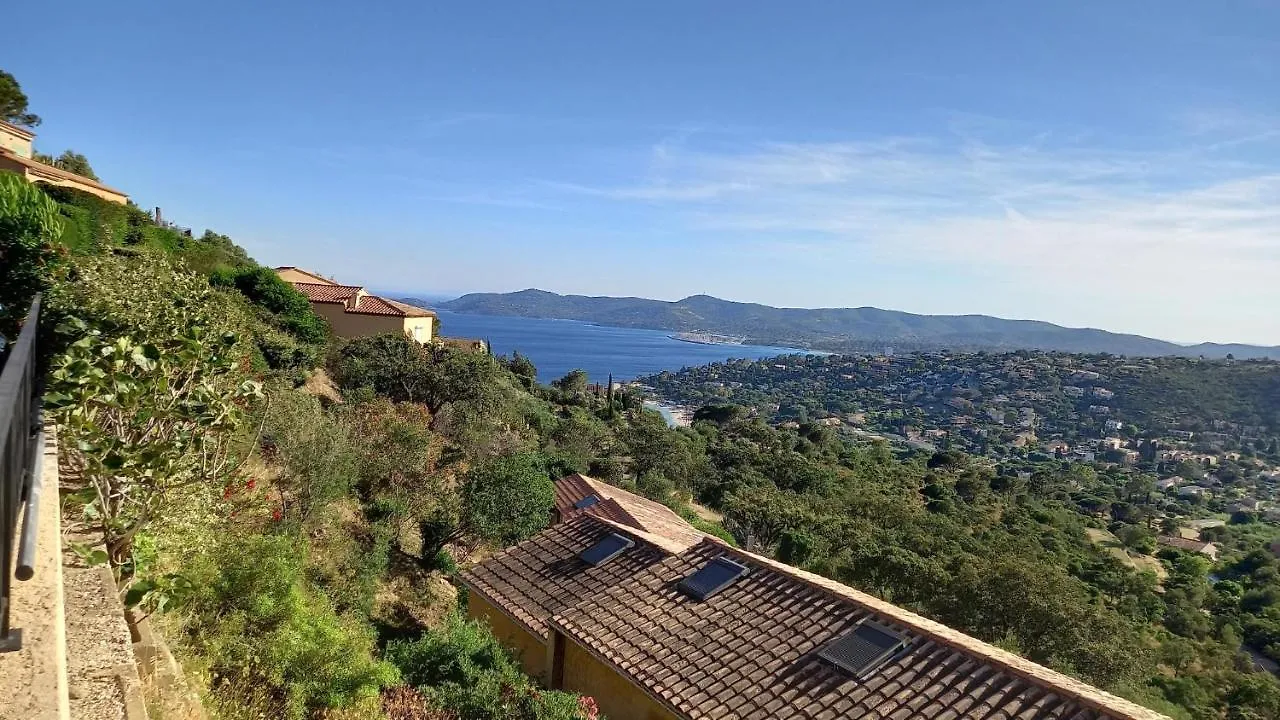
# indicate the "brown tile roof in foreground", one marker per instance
pixel 750 651
pixel 50 171
pixel 534 580
pixel 647 515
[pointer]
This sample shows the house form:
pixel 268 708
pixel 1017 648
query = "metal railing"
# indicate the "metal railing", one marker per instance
pixel 21 453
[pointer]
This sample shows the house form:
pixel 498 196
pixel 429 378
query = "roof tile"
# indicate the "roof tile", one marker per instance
pixel 543 575
pixel 750 651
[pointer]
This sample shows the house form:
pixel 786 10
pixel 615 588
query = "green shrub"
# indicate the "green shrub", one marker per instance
pixel 257 624
pixel 508 498
pixel 29 224
pixel 282 351
pixel 460 667
pixel 320 463
pixel 445 563
pixel 267 290
pixel 148 386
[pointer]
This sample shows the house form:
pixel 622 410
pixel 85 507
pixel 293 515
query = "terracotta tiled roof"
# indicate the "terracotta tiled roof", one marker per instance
pixel 410 310
pixel 50 171
pixel 331 292
pixel 327 292
pixel 374 305
pixel 532 581
pixel 750 651
pixel 645 514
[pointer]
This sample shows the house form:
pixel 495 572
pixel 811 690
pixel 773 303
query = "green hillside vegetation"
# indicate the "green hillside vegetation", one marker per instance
pixel 833 329
pixel 983 402
pixel 298 550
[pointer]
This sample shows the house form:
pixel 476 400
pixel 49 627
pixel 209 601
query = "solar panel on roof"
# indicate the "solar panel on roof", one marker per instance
pixel 863 649
pixel 586 502
pixel 607 549
pixel 712 578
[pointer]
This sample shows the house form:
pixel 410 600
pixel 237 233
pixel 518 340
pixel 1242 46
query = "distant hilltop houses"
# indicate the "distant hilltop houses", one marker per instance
pixel 17 155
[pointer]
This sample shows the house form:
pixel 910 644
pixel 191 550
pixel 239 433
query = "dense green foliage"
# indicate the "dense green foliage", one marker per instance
pixel 29 225
pixel 983 402
pixel 349 505
pixel 288 335
pixel 69 160
pixel 461 666
pixel 272 630
pixel 264 288
pixel 508 499
pixel 13 102
pixel 149 384
pixel 835 329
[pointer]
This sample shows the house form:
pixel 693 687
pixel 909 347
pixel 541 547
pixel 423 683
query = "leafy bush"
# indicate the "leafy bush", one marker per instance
pixel 508 498
pixel 29 224
pixel 320 463
pixel 257 624
pixel 148 389
pixel 267 290
pixel 462 668
pixel 282 351
pixel 399 368
pixel 445 563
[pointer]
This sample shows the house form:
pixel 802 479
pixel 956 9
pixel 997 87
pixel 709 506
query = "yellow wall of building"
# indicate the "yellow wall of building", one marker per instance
pixel 420 328
pixel 295 275
pixel 15 143
pixel 350 325
pixel 529 649
pixel 617 698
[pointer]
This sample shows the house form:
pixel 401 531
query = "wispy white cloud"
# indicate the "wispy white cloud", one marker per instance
pixel 1193 215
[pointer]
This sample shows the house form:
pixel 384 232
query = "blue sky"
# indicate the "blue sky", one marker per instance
pixel 1092 163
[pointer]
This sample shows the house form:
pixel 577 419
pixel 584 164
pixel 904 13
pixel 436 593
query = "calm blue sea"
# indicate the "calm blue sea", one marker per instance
pixel 558 346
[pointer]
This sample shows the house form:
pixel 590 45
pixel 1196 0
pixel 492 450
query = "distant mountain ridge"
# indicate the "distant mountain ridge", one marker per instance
pixel 833 329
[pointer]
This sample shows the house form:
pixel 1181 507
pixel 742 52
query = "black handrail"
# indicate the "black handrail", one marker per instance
pixel 21 448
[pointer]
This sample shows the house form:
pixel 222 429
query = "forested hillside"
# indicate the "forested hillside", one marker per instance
pixel 295 537
pixel 834 329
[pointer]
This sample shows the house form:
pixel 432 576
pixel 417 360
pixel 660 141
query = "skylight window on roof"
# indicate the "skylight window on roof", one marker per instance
pixel 586 502
pixel 864 649
pixel 607 549
pixel 712 578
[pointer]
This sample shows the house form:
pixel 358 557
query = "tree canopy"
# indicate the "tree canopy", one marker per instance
pixel 13 102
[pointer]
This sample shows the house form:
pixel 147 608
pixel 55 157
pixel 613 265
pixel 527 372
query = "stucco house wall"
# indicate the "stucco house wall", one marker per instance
pixel 419 328
pixel 617 698
pixel 15 139
pixel 529 649
pixel 348 325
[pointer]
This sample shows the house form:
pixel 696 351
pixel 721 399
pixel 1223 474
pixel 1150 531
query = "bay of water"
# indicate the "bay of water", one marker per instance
pixel 558 346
